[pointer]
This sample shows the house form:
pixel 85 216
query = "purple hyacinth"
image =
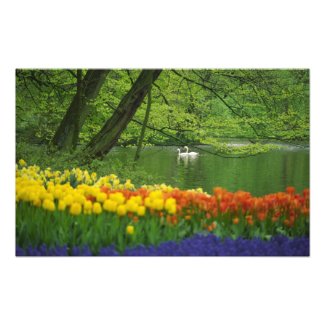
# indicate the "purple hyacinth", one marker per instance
pixel 197 245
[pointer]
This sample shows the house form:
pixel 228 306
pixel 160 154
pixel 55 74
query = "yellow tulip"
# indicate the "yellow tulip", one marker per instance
pixel 97 208
pixel 88 205
pixel 130 230
pixel 22 162
pixel 57 193
pixel 37 202
pixel 141 211
pixel 48 205
pixel 101 197
pixel 75 209
pixel 131 205
pixel 110 205
pixel 68 199
pixel 62 205
pixel 121 210
pixel 158 204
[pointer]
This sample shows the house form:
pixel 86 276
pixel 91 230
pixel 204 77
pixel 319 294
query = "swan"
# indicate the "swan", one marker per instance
pixel 182 154
pixel 190 153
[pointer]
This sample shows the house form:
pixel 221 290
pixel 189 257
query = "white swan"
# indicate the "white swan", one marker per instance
pixel 190 153
pixel 181 154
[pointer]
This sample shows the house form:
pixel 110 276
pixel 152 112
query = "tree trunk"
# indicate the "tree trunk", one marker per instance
pixel 144 125
pixel 76 129
pixel 67 134
pixel 107 137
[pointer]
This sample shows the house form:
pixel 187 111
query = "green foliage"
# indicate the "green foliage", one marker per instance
pixel 249 149
pixel 195 106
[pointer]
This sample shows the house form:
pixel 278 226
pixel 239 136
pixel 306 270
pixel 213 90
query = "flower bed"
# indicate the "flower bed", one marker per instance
pixel 78 209
pixel 198 245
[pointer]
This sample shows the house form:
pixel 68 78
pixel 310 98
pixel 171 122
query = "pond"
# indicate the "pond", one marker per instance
pixel 261 174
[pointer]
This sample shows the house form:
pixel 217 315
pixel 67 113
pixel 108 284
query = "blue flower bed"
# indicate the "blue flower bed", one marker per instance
pixel 198 245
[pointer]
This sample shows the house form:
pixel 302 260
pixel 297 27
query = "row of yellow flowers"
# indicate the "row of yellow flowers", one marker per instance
pixel 50 177
pixel 52 191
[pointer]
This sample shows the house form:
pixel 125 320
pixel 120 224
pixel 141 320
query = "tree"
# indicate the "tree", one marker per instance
pixel 144 125
pixel 67 134
pixel 107 137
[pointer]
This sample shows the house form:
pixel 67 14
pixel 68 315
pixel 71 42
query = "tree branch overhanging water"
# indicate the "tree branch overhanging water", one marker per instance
pixel 182 142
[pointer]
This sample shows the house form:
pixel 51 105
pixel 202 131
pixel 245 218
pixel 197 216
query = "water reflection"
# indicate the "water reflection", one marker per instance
pixel 185 160
pixel 265 173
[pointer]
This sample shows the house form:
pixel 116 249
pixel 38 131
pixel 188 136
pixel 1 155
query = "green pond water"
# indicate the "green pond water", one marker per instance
pixel 261 174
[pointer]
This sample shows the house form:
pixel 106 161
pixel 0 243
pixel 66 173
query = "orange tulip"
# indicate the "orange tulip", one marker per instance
pixel 135 219
pixel 290 190
pixel 286 222
pixel 104 189
pixel 235 221
pixel 274 219
pixel 261 216
pixel 249 220
pixel 174 220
